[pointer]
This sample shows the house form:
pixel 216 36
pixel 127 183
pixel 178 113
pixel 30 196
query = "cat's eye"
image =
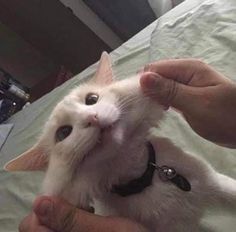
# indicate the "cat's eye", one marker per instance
pixel 91 99
pixel 63 132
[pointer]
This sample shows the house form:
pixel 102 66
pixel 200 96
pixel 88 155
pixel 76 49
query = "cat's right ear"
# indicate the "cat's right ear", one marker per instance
pixel 34 159
pixel 104 74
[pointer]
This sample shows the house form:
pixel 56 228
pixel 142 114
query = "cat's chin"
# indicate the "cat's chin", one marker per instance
pixel 110 136
pixel 104 141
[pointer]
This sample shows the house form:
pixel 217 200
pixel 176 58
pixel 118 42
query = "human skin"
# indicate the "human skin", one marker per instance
pixel 205 97
pixel 53 214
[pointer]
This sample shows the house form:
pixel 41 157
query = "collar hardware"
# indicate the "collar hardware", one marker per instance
pixel 165 173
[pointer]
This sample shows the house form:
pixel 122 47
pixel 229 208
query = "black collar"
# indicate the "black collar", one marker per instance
pixel 165 172
pixel 138 185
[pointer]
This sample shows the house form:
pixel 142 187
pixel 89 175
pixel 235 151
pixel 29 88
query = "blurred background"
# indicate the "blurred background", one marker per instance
pixel 44 43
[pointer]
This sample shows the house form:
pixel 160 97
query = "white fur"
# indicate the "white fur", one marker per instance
pixel 83 169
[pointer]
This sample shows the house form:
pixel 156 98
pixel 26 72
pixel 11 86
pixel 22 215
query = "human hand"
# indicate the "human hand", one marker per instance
pixel 55 214
pixel 206 98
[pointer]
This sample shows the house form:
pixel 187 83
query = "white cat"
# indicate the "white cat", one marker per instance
pixel 98 149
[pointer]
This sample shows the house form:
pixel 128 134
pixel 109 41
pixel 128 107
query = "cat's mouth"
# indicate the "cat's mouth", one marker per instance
pixel 106 133
pixel 112 133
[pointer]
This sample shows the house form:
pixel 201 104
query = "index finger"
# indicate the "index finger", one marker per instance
pixel 31 223
pixel 186 71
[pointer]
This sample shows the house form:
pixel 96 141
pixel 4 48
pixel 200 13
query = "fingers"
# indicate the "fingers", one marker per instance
pixel 159 88
pixel 60 216
pixel 30 224
pixel 25 224
pixel 180 70
pixel 186 71
pixel 168 92
pixel 56 214
pixel 180 82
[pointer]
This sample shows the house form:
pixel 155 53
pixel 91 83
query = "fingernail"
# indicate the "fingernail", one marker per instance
pixel 150 81
pixel 44 207
pixel 140 71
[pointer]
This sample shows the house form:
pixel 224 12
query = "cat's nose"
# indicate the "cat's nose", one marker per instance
pixel 92 120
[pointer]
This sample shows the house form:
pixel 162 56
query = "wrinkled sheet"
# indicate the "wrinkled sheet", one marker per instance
pixel 5 130
pixel 202 29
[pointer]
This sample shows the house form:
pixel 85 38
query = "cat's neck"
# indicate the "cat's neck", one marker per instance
pixel 128 162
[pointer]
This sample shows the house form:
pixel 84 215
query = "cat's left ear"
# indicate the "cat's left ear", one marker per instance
pixel 104 74
pixel 34 159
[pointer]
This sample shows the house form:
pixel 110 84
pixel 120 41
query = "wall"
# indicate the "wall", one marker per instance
pixel 89 18
pixel 160 7
pixel 55 31
pixel 21 60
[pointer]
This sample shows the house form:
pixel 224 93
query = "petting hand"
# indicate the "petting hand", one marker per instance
pixel 55 214
pixel 206 98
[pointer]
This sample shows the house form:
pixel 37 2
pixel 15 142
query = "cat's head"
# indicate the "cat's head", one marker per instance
pixel 98 115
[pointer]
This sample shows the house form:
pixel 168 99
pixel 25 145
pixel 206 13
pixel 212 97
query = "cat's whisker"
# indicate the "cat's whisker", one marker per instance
pixel 128 99
pixel 123 104
pixel 75 156
pixel 131 97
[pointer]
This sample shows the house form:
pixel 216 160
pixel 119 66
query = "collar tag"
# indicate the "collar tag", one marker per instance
pixel 166 173
pixel 169 174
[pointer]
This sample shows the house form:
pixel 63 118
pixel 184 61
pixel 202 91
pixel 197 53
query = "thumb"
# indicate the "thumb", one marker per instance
pixel 169 92
pixel 56 214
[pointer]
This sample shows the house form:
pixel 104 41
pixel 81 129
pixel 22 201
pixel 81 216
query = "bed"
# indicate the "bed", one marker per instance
pixel 195 28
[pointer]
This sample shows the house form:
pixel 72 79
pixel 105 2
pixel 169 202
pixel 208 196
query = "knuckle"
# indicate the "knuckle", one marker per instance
pixel 69 222
pixel 23 227
pixel 171 92
pixel 148 67
pixel 208 101
pixel 202 66
pixel 193 60
pixel 25 224
pixel 198 61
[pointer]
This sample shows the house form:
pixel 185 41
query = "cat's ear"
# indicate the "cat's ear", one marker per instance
pixel 34 159
pixel 104 74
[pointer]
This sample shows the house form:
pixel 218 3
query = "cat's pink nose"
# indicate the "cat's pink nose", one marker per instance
pixel 93 120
